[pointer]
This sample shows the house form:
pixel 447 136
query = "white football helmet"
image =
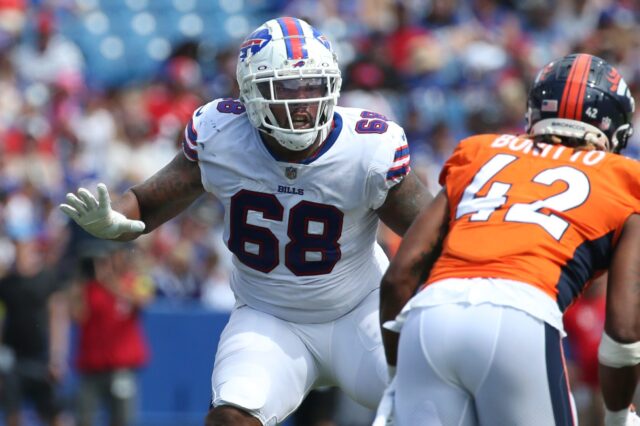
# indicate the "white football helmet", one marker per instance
pixel 286 62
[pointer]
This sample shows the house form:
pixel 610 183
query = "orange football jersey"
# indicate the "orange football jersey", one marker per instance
pixel 543 214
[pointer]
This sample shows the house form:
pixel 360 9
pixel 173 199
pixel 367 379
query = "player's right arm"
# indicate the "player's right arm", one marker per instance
pixel 142 208
pixel 167 193
pixel 619 352
pixel 420 247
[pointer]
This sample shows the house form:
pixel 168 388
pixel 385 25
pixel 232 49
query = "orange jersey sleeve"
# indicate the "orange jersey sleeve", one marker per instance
pixel 547 215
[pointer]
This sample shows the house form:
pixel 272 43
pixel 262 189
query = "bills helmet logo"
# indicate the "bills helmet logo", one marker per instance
pixel 322 39
pixel 254 43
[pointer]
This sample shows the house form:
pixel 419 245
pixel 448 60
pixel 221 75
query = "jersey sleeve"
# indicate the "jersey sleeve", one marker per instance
pixel 630 180
pixel 462 155
pixel 389 166
pixel 206 123
pixel 190 139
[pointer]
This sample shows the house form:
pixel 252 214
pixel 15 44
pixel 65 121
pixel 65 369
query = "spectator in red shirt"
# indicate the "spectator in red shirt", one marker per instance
pixel 106 304
pixel 401 42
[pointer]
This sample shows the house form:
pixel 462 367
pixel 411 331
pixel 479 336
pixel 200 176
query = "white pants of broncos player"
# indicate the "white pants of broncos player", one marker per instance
pixel 467 364
pixel 266 365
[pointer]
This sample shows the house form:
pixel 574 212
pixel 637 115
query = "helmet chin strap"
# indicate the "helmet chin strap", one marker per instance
pixel 295 141
pixel 291 141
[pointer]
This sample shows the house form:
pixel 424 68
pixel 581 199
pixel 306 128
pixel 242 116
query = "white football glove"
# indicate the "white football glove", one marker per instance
pixel 384 414
pixel 627 417
pixel 96 216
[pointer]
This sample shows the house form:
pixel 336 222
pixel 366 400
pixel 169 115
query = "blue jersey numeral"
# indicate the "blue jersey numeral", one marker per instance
pixel 313 230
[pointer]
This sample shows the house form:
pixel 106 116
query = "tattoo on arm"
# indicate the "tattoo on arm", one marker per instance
pixel 403 203
pixel 168 192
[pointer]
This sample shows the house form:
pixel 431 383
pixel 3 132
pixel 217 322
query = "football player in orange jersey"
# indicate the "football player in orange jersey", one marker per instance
pixel 521 226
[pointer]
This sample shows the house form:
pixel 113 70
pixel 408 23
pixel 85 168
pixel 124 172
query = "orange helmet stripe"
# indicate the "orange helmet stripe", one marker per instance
pixel 575 88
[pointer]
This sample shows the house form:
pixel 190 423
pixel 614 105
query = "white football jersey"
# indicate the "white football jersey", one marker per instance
pixel 303 234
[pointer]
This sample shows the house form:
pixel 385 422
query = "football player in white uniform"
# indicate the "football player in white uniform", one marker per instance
pixel 303 183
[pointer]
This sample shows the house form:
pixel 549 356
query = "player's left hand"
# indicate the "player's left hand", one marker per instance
pixel 384 414
pixel 96 215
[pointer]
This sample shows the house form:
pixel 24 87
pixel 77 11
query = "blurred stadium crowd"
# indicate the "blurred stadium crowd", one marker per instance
pixel 100 90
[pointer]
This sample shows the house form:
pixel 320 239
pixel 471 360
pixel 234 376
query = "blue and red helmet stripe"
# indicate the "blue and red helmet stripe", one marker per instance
pixel 294 38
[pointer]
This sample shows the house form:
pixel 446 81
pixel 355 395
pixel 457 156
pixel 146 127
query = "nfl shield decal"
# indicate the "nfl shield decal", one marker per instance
pixel 291 172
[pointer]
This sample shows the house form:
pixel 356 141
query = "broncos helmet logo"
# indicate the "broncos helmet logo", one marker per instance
pixel 544 72
pixel 254 43
pixel 614 78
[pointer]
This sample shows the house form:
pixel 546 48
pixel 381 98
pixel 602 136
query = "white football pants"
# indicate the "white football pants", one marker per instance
pixel 266 365
pixel 464 365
